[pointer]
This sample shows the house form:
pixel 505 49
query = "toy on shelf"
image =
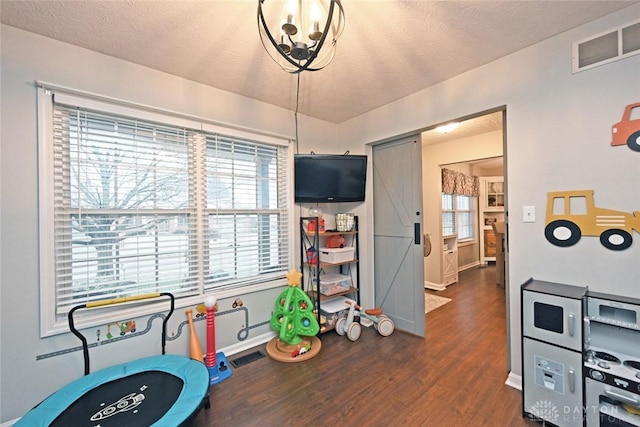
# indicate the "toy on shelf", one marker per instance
pixel 296 324
pixel 312 225
pixel 336 241
pixel 347 325
pixel 216 363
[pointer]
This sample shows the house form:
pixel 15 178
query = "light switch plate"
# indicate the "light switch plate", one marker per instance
pixel 528 214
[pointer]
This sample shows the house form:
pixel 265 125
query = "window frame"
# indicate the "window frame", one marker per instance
pixel 50 322
pixel 456 211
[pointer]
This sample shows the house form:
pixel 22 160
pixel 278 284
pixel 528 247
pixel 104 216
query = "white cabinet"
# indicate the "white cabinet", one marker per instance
pixel 450 260
pixel 491 209
pixel 492 193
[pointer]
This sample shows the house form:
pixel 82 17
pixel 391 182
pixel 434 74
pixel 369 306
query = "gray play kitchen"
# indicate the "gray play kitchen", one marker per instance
pixel 581 356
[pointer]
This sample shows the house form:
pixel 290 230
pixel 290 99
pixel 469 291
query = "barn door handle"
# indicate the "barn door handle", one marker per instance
pixel 416 233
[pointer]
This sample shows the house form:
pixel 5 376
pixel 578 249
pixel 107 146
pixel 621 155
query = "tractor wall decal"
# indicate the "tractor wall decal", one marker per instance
pixel 627 130
pixel 573 214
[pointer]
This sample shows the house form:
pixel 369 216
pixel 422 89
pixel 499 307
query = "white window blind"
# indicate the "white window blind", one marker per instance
pixel 246 223
pixel 135 205
pixel 465 211
pixel 123 207
pixel 458 213
pixel 448 215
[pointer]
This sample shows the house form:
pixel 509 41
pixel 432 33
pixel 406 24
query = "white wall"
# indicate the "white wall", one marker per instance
pixel 25 58
pixel 558 135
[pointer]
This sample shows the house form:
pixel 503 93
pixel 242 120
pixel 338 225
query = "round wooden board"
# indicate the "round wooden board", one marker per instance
pixel 281 351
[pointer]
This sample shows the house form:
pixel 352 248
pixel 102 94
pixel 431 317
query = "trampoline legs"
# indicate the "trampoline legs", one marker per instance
pixel 207 403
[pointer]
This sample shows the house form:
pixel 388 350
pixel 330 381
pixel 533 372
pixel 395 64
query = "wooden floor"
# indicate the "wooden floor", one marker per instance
pixel 453 377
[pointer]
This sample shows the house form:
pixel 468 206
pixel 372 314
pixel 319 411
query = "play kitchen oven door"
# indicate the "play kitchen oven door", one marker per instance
pixel 612 361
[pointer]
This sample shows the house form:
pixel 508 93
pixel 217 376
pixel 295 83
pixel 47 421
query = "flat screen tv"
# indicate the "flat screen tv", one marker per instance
pixel 329 178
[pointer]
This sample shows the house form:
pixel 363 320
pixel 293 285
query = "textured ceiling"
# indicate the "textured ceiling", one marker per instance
pixel 466 129
pixel 389 49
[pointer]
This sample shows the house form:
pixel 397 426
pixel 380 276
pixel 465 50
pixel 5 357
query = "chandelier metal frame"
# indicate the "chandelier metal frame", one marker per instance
pixel 297 65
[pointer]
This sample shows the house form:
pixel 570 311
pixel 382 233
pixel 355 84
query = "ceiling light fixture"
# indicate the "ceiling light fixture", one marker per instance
pixel 302 43
pixel 449 127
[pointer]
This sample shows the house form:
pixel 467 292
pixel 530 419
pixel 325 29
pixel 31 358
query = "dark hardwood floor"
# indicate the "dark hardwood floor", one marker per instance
pixel 453 377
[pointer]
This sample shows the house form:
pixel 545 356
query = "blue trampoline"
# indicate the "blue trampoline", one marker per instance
pixel 163 390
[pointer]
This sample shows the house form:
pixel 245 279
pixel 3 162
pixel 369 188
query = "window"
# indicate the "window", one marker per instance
pixel 134 202
pixel 448 215
pixel 458 213
pixel 465 212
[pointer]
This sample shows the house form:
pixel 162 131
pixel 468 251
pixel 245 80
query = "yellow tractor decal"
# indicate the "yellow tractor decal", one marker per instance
pixel 573 214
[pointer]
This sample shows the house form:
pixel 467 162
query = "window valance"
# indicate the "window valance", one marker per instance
pixel 454 182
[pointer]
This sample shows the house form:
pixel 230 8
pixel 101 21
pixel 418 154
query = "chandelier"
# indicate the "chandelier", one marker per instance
pixel 307 33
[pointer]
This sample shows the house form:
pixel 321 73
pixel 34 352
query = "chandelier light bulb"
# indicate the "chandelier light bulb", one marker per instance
pixel 289 26
pixel 314 32
pixel 292 7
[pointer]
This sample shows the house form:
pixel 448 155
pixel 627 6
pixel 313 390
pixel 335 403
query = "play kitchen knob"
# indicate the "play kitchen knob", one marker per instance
pixel 596 375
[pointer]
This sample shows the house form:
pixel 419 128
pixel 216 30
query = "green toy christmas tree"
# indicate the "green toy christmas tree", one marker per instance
pixel 293 316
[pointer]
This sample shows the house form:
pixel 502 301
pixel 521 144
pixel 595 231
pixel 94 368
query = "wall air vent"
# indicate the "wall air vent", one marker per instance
pixel 607 47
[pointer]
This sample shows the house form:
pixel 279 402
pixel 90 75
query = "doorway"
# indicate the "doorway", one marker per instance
pixel 478 147
pixel 475 148
pixel 479 137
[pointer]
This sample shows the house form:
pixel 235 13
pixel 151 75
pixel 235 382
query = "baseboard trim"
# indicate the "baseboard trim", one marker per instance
pixel 434 286
pixel 248 344
pixel 514 381
pixel 468 266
